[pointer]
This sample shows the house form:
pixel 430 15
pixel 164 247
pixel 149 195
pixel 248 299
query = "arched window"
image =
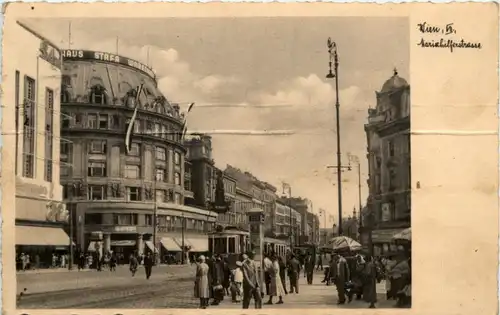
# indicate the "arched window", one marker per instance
pixel 130 98
pixel 177 179
pixel 98 94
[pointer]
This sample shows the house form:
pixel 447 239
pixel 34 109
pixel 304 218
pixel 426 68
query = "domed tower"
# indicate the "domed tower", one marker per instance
pixel 388 139
pixel 119 190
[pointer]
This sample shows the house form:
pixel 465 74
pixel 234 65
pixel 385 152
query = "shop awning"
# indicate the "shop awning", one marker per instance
pixel 123 243
pixel 384 236
pixel 41 236
pixel 169 244
pixel 151 246
pixel 198 245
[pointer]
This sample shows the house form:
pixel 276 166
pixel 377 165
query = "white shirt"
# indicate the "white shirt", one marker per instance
pixel 268 264
pixel 238 275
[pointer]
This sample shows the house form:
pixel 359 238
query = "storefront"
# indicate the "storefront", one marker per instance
pixel 383 243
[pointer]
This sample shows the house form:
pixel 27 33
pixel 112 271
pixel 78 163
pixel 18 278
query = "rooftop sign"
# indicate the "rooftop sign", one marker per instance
pixel 74 54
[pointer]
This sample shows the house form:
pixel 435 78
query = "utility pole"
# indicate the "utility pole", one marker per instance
pixel 71 249
pixel 155 221
pixel 182 236
pixel 332 51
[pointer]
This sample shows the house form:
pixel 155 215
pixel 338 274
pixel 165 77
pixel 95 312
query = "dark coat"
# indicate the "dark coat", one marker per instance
pixel 148 261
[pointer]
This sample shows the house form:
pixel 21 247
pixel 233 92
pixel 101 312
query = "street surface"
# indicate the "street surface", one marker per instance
pixel 169 287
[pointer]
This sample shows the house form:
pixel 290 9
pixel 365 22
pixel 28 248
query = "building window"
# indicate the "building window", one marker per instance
pixel 132 171
pixel 96 192
pixel 103 121
pixel 135 149
pixel 93 218
pixel 98 94
pixel 177 158
pixel 177 199
pixel 392 180
pixel 115 122
pixel 92 121
pixel 157 129
pixel 65 157
pixel 391 148
pixel 177 178
pixel 49 133
pixel 148 219
pixel 96 169
pixel 161 154
pixel 133 194
pixel 17 97
pixel 125 219
pixel 160 195
pixel 161 175
pixel 149 127
pixel 29 128
pixel 97 147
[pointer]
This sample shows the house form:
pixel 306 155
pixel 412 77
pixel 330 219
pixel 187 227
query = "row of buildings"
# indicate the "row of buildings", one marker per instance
pixel 72 110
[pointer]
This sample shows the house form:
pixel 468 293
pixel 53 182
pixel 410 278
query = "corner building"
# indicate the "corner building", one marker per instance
pixel 388 137
pixel 114 194
pixel 31 151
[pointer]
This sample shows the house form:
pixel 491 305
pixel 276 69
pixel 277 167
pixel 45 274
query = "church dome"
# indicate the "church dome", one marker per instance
pixel 394 83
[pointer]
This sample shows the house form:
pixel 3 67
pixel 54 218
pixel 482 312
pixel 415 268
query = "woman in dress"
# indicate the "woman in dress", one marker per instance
pixel 276 286
pixel 202 287
pixel 370 283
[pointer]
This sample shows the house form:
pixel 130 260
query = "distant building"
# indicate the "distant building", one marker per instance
pixel 388 138
pixel 31 96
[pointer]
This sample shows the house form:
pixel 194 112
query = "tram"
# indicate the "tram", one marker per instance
pixel 278 246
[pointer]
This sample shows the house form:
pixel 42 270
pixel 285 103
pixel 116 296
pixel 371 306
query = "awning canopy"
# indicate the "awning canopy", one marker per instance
pixel 123 243
pixel 169 244
pixel 151 246
pixel 198 245
pixel 41 236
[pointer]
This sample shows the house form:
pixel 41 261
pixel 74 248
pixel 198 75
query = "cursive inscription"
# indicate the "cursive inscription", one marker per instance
pixel 447 37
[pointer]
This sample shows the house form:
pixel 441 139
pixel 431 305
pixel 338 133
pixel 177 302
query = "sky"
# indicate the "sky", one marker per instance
pixel 276 66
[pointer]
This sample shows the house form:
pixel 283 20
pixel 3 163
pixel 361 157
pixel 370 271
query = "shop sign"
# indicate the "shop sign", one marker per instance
pixel 130 229
pixel 71 54
pixel 56 211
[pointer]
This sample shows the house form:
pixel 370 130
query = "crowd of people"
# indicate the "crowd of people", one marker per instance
pixel 354 276
pixel 357 276
pixel 26 261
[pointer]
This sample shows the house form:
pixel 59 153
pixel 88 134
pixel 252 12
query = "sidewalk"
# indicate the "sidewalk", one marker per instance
pixel 317 295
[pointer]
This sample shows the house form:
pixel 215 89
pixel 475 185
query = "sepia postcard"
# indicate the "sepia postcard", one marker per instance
pixel 249 157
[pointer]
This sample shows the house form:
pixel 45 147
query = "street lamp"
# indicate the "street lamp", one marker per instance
pixel 332 51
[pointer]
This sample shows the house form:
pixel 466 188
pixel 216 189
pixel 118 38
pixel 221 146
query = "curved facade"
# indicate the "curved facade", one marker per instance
pixel 116 194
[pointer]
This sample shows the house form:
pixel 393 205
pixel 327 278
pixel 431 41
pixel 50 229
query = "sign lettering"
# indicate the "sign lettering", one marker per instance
pixel 71 54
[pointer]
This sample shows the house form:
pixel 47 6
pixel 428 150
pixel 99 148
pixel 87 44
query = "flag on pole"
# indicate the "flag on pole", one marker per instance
pixel 184 125
pixel 132 120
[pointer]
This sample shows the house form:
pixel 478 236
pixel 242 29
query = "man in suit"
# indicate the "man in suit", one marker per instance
pixel 251 287
pixel 293 273
pixel 309 268
pixel 341 276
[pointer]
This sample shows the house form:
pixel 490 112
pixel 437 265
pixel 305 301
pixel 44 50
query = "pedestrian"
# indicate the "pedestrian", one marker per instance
pixel 202 284
pixel 293 274
pixel 251 288
pixel 268 266
pixel 218 280
pixel 309 268
pixel 320 263
pixel 227 275
pixel 236 283
pixel 370 283
pixel 282 272
pixel 148 264
pixel 341 276
pixel 388 263
pixel 133 264
pixel 276 286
